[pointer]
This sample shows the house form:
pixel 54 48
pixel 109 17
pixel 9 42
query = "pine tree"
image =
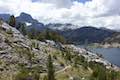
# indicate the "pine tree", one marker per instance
pixel 50 69
pixel 23 29
pixel 48 34
pixel 12 21
pixel 32 33
pixel 1 22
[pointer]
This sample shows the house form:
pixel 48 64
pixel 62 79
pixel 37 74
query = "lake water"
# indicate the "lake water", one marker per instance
pixel 110 54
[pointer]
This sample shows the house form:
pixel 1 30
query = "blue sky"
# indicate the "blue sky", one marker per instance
pixel 82 1
pixel 98 13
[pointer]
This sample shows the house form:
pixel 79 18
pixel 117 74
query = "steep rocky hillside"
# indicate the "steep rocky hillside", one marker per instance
pixel 115 38
pixel 25 59
pixel 111 42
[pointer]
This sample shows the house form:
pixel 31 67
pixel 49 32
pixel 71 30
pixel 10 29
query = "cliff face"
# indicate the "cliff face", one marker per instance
pixel 113 41
pixel 25 58
pixel 115 38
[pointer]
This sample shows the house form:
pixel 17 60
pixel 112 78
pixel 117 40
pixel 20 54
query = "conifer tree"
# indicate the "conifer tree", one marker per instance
pixel 50 69
pixel 12 21
pixel 23 29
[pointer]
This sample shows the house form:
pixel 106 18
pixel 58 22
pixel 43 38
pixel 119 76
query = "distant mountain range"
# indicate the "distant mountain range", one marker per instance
pixel 71 32
pixel 5 17
pixel 25 18
pixel 87 33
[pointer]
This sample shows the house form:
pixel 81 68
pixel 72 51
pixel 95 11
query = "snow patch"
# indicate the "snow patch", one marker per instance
pixel 28 24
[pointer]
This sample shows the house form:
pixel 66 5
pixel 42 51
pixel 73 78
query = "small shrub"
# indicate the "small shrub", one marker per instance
pixel 7 41
pixel 26 74
pixel 10 31
pixel 62 64
pixel 1 22
pixel 45 78
pixel 35 45
pixel 22 75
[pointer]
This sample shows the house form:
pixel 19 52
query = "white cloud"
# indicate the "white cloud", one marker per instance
pixel 59 3
pixel 99 13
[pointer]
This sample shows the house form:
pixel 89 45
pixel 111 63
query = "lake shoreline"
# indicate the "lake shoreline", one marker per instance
pixel 91 56
pixel 106 45
pixel 110 54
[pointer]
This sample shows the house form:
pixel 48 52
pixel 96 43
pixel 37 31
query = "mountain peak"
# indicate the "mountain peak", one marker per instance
pixel 26 16
pixel 23 13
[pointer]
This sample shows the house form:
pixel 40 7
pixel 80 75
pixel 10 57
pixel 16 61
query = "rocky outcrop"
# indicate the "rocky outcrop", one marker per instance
pixel 90 56
pixel 111 42
pixel 106 45
pixel 112 45
pixel 15 48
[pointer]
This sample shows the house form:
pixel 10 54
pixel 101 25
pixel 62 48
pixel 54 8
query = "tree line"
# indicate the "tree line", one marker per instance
pixel 32 33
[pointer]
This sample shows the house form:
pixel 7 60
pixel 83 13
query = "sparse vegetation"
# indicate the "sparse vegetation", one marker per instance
pixel 101 73
pixel 46 35
pixel 26 74
pixel 10 31
pixel 35 45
